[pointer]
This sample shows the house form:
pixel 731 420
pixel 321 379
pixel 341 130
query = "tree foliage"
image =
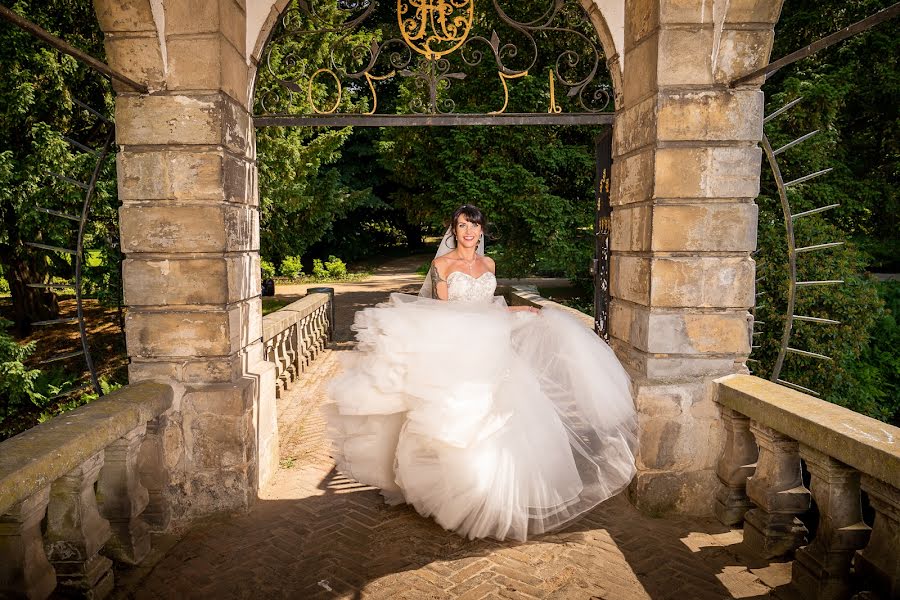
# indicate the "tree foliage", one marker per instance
pixel 851 94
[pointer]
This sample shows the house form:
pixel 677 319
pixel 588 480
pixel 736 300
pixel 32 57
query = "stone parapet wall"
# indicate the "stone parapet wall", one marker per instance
pixel 83 491
pixel 769 429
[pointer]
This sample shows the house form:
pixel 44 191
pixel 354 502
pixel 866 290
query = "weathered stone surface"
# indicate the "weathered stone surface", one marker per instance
pixel 641 18
pixel 702 282
pixel 641 70
pixel 635 127
pixel 154 474
pixel 685 57
pixel 707 227
pixel 822 569
pixel 202 118
pixel 24 570
pixel 122 498
pixel 698 333
pixel 856 440
pixel 710 115
pixel 735 465
pixel 138 57
pixel 631 228
pixel 52 449
pixel 183 333
pixel 668 492
pixel 181 281
pixel 632 179
pixel 171 175
pixel 742 52
pixel 878 565
pixel 186 227
pixel 753 11
pixel 776 488
pixel 76 532
pixel 630 278
pixel 685 11
pixel 712 172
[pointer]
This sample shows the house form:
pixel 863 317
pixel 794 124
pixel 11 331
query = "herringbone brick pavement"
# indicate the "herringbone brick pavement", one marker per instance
pixel 314 534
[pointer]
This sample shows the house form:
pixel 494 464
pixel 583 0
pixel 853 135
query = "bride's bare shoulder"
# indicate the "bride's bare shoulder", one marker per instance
pixel 490 263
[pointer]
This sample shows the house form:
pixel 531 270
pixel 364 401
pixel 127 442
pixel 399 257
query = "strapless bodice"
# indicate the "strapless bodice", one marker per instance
pixel 462 287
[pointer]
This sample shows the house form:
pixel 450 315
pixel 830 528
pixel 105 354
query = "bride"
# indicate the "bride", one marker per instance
pixel 496 421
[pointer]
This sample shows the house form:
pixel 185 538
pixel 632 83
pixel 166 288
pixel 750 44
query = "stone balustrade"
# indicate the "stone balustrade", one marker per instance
pixel 73 492
pixel 296 334
pixel 771 432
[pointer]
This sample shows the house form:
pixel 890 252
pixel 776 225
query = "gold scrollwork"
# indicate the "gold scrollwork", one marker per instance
pixel 309 92
pixel 369 79
pixel 503 78
pixel 604 182
pixel 554 107
pixel 435 22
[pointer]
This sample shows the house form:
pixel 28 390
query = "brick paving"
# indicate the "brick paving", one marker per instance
pixel 315 534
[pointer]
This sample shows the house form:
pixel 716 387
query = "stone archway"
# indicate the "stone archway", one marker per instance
pixel 685 174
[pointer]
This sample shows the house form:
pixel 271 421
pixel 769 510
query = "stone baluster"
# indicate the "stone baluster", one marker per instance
pixel 297 337
pixel 123 498
pixel 772 529
pixel 76 533
pixel 284 374
pixel 322 329
pixel 289 337
pixel 821 570
pixel 307 345
pixel 737 463
pixel 878 565
pixel 279 365
pixel 25 571
pixel 155 475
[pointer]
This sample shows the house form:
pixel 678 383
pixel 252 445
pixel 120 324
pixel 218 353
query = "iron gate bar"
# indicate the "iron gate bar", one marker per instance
pixel 67 48
pixel 434 120
pixel 829 40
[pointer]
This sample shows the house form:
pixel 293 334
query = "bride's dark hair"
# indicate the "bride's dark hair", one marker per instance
pixel 472 214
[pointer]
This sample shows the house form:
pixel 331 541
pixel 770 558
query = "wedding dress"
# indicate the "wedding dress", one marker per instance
pixel 495 423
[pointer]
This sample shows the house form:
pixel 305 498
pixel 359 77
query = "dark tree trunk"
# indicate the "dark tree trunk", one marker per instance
pixel 29 304
pixel 413 234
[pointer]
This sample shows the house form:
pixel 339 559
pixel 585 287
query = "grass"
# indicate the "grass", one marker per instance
pixel 271 304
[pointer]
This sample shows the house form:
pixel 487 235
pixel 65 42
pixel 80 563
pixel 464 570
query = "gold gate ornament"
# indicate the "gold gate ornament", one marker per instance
pixel 429 26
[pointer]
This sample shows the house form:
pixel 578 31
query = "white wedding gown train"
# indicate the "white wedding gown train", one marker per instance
pixel 496 424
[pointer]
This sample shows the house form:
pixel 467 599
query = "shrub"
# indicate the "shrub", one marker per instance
pixel 291 267
pixel 335 266
pixel 18 384
pixel 319 269
pixel 267 268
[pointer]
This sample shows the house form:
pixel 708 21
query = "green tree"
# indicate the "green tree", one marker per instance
pixel 36 95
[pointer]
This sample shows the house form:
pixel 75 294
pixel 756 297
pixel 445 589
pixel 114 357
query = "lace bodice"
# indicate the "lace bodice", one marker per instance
pixel 462 287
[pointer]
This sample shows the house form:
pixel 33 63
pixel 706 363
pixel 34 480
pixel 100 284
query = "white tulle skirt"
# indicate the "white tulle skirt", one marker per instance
pixel 496 424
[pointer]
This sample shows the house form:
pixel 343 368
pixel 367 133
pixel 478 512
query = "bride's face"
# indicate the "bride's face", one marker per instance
pixel 467 233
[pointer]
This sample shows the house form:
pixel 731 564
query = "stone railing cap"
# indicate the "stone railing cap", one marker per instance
pixel 277 321
pixel 36 458
pixel 866 444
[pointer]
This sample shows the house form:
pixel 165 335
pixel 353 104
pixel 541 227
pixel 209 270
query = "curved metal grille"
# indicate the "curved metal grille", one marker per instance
pixel 328 57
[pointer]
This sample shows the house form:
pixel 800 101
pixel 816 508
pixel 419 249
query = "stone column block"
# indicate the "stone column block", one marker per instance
pixel 685 57
pixel 123 498
pixel 704 227
pixel 878 565
pixel 821 570
pixel 25 571
pixel 696 282
pixel 737 463
pixel 710 172
pixel 772 529
pixel 184 333
pixel 707 115
pixel 76 533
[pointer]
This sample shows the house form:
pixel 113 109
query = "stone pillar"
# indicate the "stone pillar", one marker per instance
pixel 76 532
pixel 737 463
pixel 24 570
pixel 685 173
pixel 821 570
pixel 776 488
pixel 190 233
pixel 878 566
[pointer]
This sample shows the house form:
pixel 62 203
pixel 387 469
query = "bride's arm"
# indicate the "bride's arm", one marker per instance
pixel 438 281
pixel 493 268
